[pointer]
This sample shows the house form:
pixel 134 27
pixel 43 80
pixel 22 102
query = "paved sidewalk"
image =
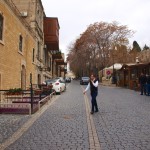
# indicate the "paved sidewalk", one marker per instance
pixel 9 124
pixel 107 83
pixel 62 127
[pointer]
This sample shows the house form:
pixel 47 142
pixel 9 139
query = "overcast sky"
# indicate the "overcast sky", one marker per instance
pixel 74 16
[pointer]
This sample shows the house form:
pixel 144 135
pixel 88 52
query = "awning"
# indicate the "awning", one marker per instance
pixel 116 66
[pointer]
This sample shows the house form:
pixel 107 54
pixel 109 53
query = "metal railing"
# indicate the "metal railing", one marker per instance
pixel 28 100
pixel 46 99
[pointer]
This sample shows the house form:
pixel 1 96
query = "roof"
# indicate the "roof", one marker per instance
pixel 134 65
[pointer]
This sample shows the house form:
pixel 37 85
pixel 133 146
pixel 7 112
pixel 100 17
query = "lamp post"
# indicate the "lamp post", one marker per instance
pixel 31 92
pixel 65 71
pixel 113 75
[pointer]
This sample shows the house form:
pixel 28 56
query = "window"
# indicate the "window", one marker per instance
pixel 45 56
pixel 1 27
pixel 20 43
pixel 33 55
pixel 38 51
pixel 50 63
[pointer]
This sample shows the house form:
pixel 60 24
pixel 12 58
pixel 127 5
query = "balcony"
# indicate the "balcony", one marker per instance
pixel 57 56
pixel 60 62
pixel 51 33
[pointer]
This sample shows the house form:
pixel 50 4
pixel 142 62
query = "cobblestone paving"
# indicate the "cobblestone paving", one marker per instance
pixel 9 124
pixel 62 127
pixel 123 122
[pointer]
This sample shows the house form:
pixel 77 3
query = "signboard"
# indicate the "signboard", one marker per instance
pixel 108 72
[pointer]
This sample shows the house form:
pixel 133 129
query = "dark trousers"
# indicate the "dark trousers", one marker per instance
pixel 148 89
pixel 143 88
pixel 94 102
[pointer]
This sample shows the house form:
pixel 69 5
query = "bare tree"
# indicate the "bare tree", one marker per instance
pixel 96 46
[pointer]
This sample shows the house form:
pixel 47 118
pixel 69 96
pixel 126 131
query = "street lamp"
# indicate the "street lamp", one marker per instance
pixel 113 75
pixel 65 71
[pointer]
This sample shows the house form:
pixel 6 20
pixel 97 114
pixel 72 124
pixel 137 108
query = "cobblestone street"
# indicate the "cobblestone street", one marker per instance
pixel 122 123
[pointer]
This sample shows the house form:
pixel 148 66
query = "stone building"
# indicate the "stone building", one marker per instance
pixel 51 39
pixel 17 48
pixel 144 56
pixel 29 43
pixel 33 12
pixel 47 37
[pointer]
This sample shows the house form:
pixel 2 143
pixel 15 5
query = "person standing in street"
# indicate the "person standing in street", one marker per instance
pixel 142 82
pixel 148 85
pixel 93 86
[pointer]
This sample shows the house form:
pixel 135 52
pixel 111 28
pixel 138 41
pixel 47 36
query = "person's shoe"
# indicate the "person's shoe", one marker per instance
pixel 141 94
pixel 92 112
pixel 96 110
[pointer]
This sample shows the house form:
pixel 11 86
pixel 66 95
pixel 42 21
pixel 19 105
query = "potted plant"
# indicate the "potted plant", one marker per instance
pixel 15 91
pixel 37 91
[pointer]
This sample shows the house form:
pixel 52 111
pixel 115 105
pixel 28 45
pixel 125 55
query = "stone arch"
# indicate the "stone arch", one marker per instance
pixel 39 79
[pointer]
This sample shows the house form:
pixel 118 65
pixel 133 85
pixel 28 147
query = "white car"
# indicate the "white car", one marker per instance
pixel 58 85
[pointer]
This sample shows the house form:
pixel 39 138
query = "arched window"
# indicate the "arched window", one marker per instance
pixel 39 79
pixel 20 43
pixel 1 26
pixel 33 55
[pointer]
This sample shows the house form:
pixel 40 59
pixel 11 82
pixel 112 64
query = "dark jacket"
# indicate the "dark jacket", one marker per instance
pixel 148 79
pixel 142 79
pixel 93 88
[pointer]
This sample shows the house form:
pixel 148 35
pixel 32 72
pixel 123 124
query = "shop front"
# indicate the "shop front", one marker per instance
pixel 129 74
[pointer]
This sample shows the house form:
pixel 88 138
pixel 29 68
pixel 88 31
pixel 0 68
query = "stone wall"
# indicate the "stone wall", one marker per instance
pixel 12 60
pixel 33 12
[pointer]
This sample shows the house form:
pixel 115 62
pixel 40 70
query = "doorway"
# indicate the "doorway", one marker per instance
pixel 39 79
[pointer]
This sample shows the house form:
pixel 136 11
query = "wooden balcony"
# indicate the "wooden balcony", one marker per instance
pixel 51 33
pixel 60 62
pixel 57 56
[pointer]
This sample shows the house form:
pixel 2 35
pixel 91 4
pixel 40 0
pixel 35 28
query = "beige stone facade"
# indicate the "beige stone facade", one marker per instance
pixel 33 12
pixel 22 45
pixel 17 46
pixel 144 56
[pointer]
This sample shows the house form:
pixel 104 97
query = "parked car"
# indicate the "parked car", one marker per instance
pixel 84 80
pixel 68 80
pixel 58 85
pixel 61 78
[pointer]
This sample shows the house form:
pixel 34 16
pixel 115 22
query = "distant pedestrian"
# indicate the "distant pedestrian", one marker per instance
pixel 93 86
pixel 142 82
pixel 148 85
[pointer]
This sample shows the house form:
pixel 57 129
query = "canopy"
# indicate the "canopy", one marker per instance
pixel 116 66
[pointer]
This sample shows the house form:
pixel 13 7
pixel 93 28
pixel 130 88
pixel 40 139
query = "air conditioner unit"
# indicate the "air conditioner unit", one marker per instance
pixel 24 14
